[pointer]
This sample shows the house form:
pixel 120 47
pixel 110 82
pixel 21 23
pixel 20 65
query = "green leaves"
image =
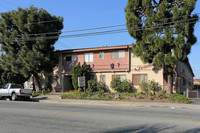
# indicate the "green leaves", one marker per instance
pixel 166 30
pixel 78 71
pixel 24 34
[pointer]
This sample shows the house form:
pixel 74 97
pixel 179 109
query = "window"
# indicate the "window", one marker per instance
pixel 118 54
pixel 15 86
pixel 138 78
pixel 122 77
pixel 101 55
pixel 88 57
pixel 72 57
pixel 6 86
pixel 68 58
pixel 102 78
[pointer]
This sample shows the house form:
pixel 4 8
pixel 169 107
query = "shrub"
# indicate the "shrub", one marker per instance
pixel 70 96
pixel 121 86
pixel 162 94
pixel 116 84
pixel 153 86
pixel 92 84
pixel 150 94
pixel 102 86
pixel 151 98
pixel 126 86
pixel 144 86
pixel 100 92
pixel 140 97
pixel 89 92
pixel 82 95
pixel 78 71
pixel 179 98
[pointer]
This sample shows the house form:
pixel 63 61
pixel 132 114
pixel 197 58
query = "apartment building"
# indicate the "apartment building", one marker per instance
pixel 107 62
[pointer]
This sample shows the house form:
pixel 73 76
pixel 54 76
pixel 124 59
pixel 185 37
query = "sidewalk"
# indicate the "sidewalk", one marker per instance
pixel 55 98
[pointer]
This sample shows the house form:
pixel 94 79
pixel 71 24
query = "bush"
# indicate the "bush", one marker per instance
pixel 150 94
pixel 162 94
pixel 144 86
pixel 151 98
pixel 179 98
pixel 116 84
pixel 82 95
pixel 154 86
pixel 121 86
pixel 102 86
pixel 126 86
pixel 78 71
pixel 89 92
pixel 92 84
pixel 70 96
pixel 100 92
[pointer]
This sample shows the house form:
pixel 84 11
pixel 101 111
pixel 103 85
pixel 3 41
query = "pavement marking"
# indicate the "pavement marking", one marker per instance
pixel 185 122
pixel 68 113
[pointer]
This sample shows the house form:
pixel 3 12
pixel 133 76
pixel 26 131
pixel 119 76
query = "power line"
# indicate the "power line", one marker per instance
pixel 97 28
pixel 104 32
pixel 117 31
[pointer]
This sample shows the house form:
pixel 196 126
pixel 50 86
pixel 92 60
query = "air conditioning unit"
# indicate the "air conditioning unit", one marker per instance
pixel 112 66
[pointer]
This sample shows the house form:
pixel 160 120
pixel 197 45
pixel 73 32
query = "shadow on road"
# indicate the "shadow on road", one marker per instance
pixel 150 129
pixel 38 99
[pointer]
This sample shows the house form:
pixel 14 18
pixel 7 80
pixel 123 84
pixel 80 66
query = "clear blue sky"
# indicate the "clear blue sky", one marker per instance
pixel 82 14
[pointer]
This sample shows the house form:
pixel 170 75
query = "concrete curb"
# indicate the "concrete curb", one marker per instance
pixel 122 103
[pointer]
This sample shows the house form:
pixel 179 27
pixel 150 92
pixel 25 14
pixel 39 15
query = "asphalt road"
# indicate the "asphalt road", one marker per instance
pixel 32 117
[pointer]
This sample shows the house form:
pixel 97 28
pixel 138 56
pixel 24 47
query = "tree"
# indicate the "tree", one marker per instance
pixel 78 71
pixel 163 30
pixel 11 77
pixel 27 39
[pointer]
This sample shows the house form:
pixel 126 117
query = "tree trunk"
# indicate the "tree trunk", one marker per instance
pixel 169 83
pixel 37 82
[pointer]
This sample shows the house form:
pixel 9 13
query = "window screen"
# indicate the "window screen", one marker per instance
pixel 118 54
pixel 138 78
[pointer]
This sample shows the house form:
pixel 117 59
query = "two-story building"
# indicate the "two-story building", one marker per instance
pixel 108 62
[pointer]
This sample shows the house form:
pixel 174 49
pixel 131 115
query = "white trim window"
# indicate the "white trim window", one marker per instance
pixel 118 54
pixel 88 57
pixel 101 55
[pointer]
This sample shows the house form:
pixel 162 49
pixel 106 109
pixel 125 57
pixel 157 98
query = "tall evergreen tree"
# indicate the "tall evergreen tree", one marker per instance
pixel 26 42
pixel 163 30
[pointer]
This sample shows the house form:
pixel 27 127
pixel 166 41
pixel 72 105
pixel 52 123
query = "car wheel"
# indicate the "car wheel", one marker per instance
pixel 13 97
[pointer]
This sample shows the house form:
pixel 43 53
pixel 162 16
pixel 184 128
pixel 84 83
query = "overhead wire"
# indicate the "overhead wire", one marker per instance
pixel 42 22
pixel 99 33
pixel 97 28
pixel 116 31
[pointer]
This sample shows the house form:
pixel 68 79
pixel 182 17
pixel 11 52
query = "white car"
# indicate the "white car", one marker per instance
pixel 14 91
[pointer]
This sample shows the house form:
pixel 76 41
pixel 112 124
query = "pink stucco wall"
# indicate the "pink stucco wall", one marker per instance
pixel 99 64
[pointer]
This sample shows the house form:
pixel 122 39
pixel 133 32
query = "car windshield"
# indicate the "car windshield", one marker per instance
pixel 6 86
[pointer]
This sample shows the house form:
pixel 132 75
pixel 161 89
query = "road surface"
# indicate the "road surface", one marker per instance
pixel 33 117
